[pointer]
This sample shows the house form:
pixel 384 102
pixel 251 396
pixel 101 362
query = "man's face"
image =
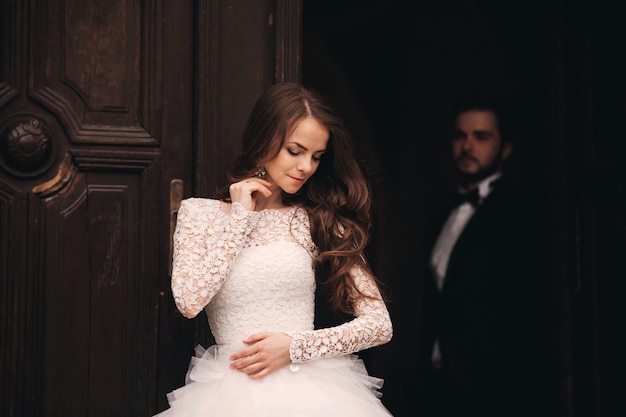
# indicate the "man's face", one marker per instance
pixel 477 147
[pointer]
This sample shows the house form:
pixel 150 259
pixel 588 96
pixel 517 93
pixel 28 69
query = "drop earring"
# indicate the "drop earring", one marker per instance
pixel 260 172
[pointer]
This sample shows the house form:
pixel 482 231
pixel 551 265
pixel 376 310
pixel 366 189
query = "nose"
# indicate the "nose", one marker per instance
pixel 305 165
pixel 468 143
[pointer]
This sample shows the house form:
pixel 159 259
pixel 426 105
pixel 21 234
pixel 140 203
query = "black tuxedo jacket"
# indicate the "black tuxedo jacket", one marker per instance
pixel 491 317
pixel 480 316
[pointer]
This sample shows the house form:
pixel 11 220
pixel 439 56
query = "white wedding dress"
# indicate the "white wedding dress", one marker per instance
pixel 252 272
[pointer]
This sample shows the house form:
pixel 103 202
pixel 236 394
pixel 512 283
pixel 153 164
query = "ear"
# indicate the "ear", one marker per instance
pixel 507 148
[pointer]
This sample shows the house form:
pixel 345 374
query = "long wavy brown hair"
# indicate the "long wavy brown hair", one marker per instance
pixel 337 197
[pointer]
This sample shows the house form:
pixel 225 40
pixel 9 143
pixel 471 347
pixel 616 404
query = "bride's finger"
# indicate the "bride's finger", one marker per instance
pixel 249 365
pixel 246 192
pixel 260 181
pixel 254 369
pixel 251 187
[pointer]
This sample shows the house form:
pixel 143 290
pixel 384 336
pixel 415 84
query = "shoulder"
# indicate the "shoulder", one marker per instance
pixel 199 204
pixel 301 214
pixel 505 193
pixel 199 217
pixel 301 229
pixel 198 208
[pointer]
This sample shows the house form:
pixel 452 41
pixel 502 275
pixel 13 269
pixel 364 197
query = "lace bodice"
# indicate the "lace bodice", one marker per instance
pixel 253 272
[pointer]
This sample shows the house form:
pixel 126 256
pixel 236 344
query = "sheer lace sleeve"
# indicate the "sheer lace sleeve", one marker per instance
pixel 371 327
pixel 206 241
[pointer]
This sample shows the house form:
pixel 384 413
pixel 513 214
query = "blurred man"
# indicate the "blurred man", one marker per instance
pixel 478 345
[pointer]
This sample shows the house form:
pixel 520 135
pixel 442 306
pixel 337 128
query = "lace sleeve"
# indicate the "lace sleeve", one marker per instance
pixel 206 241
pixel 371 327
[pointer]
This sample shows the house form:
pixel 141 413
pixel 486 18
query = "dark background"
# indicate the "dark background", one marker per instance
pixel 393 68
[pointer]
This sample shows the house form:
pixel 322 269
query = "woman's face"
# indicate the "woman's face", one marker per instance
pixel 299 157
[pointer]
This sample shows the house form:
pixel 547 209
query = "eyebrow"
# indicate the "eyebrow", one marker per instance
pixel 484 132
pixel 475 132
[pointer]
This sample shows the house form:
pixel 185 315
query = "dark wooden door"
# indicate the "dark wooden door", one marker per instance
pixel 110 111
pixel 92 128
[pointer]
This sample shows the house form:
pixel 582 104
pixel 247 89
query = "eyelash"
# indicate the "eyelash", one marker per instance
pixel 294 153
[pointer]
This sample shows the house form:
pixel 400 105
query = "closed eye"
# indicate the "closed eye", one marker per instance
pixel 458 134
pixel 483 135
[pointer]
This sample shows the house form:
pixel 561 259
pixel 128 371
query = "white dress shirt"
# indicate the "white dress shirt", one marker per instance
pixel 452 229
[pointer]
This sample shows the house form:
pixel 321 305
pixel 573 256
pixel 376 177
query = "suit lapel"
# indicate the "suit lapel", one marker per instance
pixel 471 235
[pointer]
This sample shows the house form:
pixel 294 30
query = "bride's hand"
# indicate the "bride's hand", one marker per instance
pixel 245 192
pixel 265 353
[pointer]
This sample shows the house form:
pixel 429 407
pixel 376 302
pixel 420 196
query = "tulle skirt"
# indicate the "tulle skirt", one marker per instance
pixel 321 388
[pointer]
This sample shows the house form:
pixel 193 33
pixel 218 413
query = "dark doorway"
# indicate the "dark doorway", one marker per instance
pixel 394 67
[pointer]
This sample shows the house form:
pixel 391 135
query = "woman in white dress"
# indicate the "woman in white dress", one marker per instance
pixel 295 216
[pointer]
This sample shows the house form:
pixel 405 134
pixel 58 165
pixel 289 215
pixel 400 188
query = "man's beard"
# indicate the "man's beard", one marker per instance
pixel 482 173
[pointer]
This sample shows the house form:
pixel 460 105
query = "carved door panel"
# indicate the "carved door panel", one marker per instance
pixel 92 129
pixel 104 106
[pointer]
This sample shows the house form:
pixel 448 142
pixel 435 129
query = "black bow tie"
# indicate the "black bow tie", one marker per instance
pixel 471 197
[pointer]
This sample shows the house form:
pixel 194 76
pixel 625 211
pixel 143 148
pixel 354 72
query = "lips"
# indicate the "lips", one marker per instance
pixel 466 158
